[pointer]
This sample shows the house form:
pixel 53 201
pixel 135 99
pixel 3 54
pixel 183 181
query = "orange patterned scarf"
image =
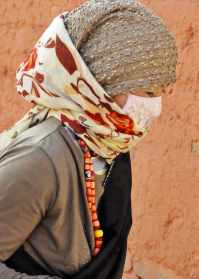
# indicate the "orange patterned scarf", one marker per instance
pixel 57 81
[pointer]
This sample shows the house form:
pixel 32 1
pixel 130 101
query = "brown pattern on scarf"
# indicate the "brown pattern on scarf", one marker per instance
pixel 65 57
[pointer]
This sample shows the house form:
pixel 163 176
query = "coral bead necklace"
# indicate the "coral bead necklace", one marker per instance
pixel 91 197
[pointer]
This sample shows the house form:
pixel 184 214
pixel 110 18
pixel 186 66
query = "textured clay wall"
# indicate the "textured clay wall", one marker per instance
pixel 164 241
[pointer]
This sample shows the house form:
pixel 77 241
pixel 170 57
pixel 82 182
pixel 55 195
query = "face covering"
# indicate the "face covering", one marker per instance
pixel 56 80
pixel 143 109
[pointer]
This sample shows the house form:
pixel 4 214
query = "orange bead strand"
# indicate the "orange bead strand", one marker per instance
pixel 91 197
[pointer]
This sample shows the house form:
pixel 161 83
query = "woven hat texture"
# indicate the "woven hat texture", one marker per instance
pixel 125 45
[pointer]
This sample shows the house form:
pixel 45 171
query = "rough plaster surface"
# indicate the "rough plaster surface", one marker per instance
pixel 164 241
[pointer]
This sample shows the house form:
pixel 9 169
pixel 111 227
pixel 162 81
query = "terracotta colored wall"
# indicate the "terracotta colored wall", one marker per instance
pixel 164 240
pixel 166 164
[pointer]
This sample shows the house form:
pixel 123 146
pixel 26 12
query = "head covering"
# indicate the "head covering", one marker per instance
pixel 56 80
pixel 125 45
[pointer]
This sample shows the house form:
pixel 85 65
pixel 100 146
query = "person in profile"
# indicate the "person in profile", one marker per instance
pixel 95 78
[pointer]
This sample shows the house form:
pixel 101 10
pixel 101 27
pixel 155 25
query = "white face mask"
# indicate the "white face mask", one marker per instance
pixel 143 109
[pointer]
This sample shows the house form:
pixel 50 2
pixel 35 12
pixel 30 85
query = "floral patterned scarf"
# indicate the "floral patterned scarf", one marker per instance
pixel 57 81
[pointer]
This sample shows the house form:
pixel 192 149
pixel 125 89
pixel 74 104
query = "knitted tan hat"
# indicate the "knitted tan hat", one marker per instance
pixel 126 46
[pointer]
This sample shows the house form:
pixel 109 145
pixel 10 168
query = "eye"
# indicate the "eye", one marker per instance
pixel 151 94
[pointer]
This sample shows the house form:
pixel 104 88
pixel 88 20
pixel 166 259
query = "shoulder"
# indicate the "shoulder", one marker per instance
pixel 38 164
pixel 41 150
pixel 46 137
pixel 25 164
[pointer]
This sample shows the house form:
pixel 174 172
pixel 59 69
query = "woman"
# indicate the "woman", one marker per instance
pixel 95 78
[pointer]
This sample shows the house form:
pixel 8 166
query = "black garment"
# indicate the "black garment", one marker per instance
pixel 114 212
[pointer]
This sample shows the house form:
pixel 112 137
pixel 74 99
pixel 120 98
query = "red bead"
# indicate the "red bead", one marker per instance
pixel 94 216
pixel 92 185
pixel 89 191
pixel 96 224
pixel 87 155
pixel 96 251
pixel 87 167
pixel 98 243
pixel 93 208
pixel 99 239
pixel 88 161
pixel 88 184
pixel 91 199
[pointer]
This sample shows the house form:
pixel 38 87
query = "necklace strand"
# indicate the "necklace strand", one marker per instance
pixel 91 197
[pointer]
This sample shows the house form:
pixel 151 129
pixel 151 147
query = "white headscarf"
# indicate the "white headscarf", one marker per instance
pixel 57 81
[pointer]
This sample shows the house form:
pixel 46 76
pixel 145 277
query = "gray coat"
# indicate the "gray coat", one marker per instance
pixel 43 201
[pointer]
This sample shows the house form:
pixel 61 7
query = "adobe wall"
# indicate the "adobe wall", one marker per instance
pixel 165 198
